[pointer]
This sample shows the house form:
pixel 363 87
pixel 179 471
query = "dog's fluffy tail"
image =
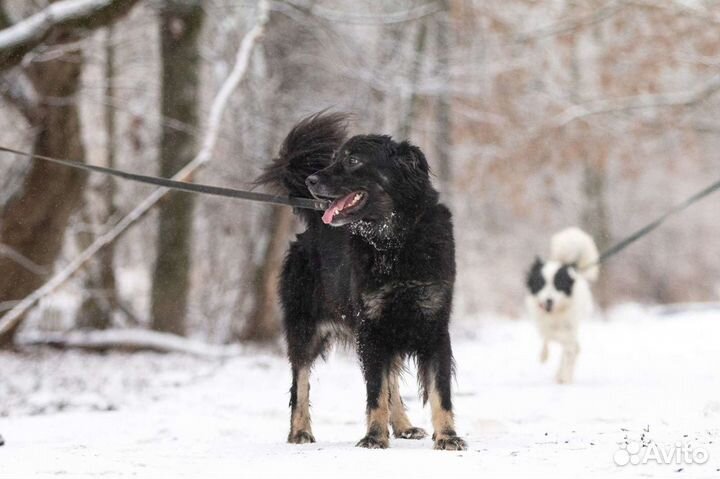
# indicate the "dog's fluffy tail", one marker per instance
pixel 574 246
pixel 308 147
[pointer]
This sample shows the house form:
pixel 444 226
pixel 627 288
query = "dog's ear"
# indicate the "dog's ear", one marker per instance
pixel 537 264
pixel 533 278
pixel 536 267
pixel 412 157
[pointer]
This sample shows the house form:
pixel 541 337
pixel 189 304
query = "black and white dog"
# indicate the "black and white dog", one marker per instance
pixel 376 268
pixel 559 294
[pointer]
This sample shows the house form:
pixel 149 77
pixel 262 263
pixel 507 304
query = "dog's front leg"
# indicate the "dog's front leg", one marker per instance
pixel 378 411
pixel 437 376
pixel 567 363
pixel 544 353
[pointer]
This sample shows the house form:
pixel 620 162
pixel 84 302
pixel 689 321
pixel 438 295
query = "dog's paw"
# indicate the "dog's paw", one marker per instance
pixel 301 437
pixel 411 433
pixel 450 443
pixel 563 378
pixel 373 442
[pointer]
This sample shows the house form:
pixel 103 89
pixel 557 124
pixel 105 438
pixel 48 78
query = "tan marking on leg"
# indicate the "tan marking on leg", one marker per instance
pixel 442 420
pixel 398 416
pixel 377 419
pixel 378 436
pixel 300 419
pixel 401 425
pixel 443 424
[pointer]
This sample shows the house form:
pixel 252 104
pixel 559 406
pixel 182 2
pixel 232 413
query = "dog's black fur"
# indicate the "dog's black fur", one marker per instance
pixel 382 275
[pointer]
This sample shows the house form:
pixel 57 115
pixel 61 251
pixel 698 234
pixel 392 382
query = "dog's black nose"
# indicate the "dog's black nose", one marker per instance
pixel 548 305
pixel 312 180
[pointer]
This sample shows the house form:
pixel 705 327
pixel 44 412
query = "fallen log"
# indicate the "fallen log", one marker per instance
pixel 127 340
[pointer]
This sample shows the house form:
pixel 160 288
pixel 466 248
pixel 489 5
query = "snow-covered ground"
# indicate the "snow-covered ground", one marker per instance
pixel 641 378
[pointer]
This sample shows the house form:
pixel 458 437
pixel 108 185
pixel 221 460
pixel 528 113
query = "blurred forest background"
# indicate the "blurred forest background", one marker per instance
pixel 534 115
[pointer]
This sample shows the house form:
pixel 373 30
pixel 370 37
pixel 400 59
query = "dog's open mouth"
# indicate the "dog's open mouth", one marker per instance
pixel 344 206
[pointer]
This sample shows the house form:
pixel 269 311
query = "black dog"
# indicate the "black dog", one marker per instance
pixel 377 269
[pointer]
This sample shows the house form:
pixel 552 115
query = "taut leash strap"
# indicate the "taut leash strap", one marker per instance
pixel 647 229
pixel 307 203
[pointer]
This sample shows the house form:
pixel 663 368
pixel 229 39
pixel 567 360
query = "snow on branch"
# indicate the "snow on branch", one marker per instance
pixel 242 60
pixel 77 16
pixel 127 340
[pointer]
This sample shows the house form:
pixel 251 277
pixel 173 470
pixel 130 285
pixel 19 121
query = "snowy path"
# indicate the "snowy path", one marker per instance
pixel 635 371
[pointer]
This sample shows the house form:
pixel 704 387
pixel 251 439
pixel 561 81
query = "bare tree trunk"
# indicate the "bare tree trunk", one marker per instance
pixel 443 138
pixel 391 36
pixel 595 219
pixel 263 324
pixel 98 307
pixel 181 23
pixel 413 99
pixel 284 36
pixel 5 20
pixel 33 223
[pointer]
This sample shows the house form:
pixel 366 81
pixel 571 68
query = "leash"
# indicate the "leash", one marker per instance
pixel 306 203
pixel 320 205
pixel 650 227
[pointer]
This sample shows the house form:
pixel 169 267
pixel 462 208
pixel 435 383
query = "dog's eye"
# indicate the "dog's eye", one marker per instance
pixel 353 161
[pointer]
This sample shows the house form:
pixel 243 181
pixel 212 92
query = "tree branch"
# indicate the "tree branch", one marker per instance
pixel 19 92
pixel 683 99
pixel 675 7
pixel 77 17
pixel 23 261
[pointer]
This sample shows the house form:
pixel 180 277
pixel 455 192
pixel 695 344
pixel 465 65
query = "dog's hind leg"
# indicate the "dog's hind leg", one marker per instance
pixel 303 340
pixel 401 426
pixel 303 353
pixel 303 348
pixel 436 377
pixel 300 430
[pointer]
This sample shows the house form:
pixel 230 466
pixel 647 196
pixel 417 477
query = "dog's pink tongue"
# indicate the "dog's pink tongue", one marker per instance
pixel 329 213
pixel 334 209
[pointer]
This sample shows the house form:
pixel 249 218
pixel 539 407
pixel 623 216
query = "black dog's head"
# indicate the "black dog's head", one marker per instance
pixel 372 177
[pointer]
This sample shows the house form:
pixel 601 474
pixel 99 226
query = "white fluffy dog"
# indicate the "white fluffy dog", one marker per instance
pixel 560 294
